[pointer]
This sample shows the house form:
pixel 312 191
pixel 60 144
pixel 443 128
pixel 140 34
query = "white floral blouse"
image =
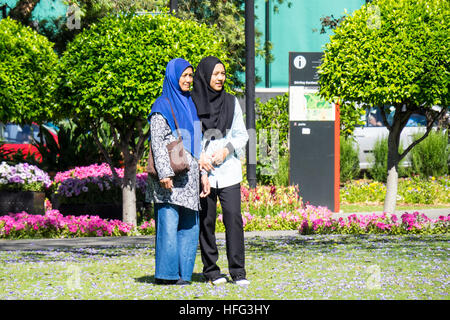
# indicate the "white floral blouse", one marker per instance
pixel 186 187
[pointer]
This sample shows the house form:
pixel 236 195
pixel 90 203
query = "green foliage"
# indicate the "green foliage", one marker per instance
pixel 89 12
pixel 390 52
pixel 272 119
pixel 431 156
pixel 378 170
pixel 27 74
pixel 351 117
pixel 229 18
pixel 75 147
pixel 281 178
pixel 349 159
pixel 115 69
pixel 413 190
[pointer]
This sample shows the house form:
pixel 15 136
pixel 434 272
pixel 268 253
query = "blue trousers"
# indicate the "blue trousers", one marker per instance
pixel 177 231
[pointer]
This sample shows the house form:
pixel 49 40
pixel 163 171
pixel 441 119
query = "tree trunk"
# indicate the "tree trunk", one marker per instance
pixel 390 200
pixel 401 117
pixel 23 10
pixel 129 192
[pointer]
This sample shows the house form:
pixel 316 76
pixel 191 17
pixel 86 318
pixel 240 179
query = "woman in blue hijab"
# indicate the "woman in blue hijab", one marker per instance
pixel 176 197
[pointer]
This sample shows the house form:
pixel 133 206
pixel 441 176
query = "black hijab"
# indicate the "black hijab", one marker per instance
pixel 215 109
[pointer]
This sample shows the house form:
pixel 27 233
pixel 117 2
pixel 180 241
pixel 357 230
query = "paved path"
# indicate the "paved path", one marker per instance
pixel 40 244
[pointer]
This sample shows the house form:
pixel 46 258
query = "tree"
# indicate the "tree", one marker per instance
pixel 392 53
pixel 27 74
pixel 22 11
pixel 229 17
pixel 113 72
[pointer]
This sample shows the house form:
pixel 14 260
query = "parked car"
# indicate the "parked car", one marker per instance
pixel 374 129
pixel 18 138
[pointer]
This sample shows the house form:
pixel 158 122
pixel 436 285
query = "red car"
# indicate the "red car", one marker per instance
pixel 19 137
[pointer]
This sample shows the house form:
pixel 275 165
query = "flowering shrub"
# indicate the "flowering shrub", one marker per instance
pixel 382 223
pixel 412 190
pixel 23 177
pixel 54 225
pixel 267 200
pixel 147 227
pixel 94 182
pixel 284 220
pixel 430 191
pixel 310 220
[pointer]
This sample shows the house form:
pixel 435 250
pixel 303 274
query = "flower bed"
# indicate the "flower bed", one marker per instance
pixel 23 177
pixel 54 225
pixel 268 200
pixel 22 187
pixel 414 190
pixel 310 220
pixel 263 208
pixel 284 220
pixel 91 183
pixel 409 223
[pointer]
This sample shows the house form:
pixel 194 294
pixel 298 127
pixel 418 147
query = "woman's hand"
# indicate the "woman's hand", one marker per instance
pixel 205 162
pixel 219 156
pixel 206 188
pixel 166 183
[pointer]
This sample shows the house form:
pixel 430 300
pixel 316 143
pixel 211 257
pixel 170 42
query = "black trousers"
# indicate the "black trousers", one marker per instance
pixel 230 200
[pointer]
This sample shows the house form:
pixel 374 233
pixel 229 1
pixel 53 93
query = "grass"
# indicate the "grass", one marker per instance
pixel 282 268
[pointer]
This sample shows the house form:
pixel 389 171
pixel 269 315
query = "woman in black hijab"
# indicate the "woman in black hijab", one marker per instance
pixel 224 138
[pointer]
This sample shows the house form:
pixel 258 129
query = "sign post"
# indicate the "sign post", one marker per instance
pixel 314 126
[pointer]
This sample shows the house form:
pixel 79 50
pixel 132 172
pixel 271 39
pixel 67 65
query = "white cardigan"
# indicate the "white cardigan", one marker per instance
pixel 230 171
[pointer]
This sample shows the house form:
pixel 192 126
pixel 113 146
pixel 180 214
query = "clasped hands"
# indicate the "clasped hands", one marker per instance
pixel 217 158
pixel 167 183
pixel 206 163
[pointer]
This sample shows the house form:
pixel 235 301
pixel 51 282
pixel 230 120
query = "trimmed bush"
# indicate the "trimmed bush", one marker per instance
pixel 272 117
pixel 349 159
pixel 378 171
pixel 431 156
pixel 27 74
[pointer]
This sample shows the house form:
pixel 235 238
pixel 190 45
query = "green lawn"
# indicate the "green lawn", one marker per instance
pixel 295 267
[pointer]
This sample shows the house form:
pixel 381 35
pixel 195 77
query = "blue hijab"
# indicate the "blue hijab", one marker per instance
pixel 183 107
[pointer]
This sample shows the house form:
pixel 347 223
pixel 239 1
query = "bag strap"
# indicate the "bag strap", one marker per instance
pixel 174 118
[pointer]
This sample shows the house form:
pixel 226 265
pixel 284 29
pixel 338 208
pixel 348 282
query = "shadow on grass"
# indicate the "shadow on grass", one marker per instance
pixel 49 254
pixel 196 277
pixel 327 242
pixel 255 245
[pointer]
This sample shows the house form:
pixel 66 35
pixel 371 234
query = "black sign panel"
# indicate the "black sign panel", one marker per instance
pixel 303 68
pixel 312 161
pixel 314 134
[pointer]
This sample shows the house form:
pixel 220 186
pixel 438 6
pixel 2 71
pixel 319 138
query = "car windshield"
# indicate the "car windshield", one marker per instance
pixel 373 118
pixel 19 134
